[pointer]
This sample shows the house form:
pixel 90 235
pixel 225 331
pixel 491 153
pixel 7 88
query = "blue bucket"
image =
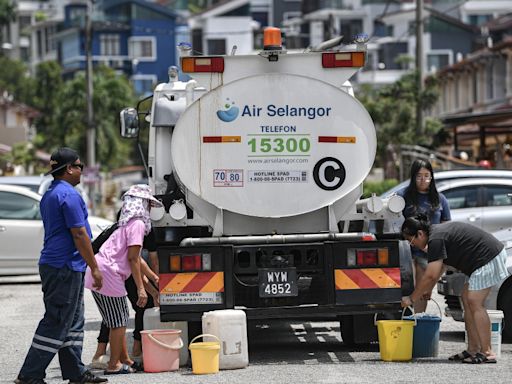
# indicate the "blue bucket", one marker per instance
pixel 426 334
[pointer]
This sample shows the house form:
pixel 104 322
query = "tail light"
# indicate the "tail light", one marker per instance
pixel 202 64
pixel 342 59
pixel 367 257
pixel 189 263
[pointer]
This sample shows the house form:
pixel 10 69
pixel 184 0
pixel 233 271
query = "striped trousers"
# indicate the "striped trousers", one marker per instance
pixel 61 331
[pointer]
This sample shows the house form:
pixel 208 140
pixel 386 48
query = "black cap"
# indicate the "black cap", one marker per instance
pixel 61 158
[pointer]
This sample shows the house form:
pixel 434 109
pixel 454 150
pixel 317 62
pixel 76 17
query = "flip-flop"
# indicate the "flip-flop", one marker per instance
pixel 479 358
pixel 125 369
pixel 460 356
pixel 139 367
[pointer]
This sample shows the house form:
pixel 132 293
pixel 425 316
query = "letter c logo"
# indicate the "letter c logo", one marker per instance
pixel 329 173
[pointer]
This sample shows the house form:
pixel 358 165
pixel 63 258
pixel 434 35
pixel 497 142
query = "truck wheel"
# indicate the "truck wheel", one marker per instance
pixel 505 304
pixel 195 328
pixel 347 330
pixel 357 329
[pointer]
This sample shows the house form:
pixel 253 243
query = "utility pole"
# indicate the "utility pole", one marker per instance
pixel 419 65
pixel 91 129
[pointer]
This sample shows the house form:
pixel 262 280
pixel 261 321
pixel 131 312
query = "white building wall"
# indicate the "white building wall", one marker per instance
pixel 235 30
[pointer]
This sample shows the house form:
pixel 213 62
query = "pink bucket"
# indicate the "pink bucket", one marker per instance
pixel 161 349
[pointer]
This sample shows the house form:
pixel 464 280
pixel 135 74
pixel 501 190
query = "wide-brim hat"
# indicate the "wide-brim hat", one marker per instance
pixel 143 191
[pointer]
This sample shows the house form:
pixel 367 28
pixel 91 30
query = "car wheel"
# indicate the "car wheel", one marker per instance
pixel 505 304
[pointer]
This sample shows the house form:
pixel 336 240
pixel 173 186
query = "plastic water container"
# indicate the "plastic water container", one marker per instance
pixel 395 338
pixel 152 321
pixel 230 326
pixel 426 333
pixel 161 349
pixel 496 328
pixel 496 318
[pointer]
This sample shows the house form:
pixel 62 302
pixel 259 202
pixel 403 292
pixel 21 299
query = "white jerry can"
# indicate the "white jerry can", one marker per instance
pixel 230 326
pixel 152 321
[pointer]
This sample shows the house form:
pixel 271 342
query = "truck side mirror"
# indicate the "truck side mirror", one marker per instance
pixel 129 121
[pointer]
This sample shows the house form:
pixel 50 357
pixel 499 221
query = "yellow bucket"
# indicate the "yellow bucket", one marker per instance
pixel 205 355
pixel 395 338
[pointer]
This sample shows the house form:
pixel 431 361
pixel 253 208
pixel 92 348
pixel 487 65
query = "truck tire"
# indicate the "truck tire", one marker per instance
pixel 195 328
pixel 505 304
pixel 358 329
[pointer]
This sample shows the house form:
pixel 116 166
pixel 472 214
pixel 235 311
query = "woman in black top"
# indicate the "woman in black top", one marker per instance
pixel 474 252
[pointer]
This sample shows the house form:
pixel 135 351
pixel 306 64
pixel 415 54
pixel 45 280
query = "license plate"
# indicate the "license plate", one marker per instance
pixel 440 288
pixel 278 282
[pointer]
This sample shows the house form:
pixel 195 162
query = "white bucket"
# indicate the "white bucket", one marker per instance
pixel 496 318
pixel 152 321
pixel 496 328
pixel 230 326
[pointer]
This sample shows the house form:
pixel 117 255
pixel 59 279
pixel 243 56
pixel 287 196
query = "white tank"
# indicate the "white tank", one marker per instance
pixel 230 326
pixel 301 147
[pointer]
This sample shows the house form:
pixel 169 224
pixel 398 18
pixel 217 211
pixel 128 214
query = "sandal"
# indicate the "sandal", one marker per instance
pixel 139 367
pixel 460 356
pixel 479 358
pixel 125 369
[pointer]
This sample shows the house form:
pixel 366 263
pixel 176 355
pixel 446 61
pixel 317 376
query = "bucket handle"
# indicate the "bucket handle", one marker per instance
pixel 438 307
pixel 403 313
pixel 202 335
pixel 163 345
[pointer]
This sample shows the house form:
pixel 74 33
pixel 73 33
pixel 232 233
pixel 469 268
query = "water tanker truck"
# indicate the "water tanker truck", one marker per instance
pixel 259 161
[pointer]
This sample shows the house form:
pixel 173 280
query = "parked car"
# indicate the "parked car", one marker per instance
pixel 21 230
pixel 39 184
pixel 451 284
pixel 456 174
pixel 485 202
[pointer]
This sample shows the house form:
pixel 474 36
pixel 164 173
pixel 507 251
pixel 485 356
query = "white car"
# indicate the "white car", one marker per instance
pixel 21 230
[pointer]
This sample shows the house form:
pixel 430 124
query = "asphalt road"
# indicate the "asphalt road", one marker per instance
pixel 279 351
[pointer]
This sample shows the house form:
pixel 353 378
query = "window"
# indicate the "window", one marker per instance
pixel 498 195
pixel 464 197
pixel 216 46
pixel 143 84
pixel 489 81
pixel 474 80
pixel 18 207
pixel 143 48
pixel 436 61
pixel 109 45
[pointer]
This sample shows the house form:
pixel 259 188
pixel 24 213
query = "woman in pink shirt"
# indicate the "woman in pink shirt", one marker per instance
pixel 117 259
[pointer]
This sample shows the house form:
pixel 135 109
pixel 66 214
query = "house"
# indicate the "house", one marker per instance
pixel 134 37
pixel 15 121
pixel 476 97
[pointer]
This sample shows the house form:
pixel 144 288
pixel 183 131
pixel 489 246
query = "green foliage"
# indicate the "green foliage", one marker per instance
pixel 393 110
pixel 7 14
pixel 15 79
pixel 377 187
pixel 111 93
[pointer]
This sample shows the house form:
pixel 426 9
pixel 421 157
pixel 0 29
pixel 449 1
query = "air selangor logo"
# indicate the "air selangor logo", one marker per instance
pixel 229 113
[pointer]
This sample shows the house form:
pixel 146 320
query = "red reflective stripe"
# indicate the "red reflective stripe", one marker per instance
pixel 198 282
pixel 212 139
pixel 165 279
pixel 360 278
pixel 393 273
pixel 327 139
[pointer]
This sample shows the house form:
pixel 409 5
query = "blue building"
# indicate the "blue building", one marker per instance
pixel 135 37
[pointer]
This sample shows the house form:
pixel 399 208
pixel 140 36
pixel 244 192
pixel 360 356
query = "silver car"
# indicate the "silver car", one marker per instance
pixel 21 230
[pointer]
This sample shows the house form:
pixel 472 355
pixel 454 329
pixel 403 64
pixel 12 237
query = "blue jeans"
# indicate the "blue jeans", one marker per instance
pixel 62 328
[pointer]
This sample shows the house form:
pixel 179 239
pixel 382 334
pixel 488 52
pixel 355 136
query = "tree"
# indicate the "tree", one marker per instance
pixel 7 15
pixel 48 85
pixel 111 93
pixel 393 110
pixel 15 79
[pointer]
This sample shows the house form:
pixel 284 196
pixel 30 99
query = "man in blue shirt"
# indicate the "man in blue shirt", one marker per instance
pixel 66 253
